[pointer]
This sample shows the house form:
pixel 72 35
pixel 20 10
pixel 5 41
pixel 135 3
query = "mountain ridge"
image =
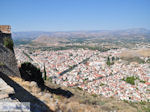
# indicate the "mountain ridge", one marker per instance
pixel 33 34
pixel 137 34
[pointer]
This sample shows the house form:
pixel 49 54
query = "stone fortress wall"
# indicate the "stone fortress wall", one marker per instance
pixel 5 31
pixel 8 63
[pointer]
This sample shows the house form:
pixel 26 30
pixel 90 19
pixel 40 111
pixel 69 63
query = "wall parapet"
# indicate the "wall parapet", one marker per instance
pixel 5 29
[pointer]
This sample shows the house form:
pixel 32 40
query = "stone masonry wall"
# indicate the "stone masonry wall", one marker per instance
pixel 8 63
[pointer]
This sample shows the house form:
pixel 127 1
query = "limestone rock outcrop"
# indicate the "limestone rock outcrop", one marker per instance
pixel 5 89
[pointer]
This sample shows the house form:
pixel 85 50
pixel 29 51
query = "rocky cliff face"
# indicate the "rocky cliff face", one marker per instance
pixel 8 64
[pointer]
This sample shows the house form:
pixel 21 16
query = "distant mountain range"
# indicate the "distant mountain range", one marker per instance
pixel 48 37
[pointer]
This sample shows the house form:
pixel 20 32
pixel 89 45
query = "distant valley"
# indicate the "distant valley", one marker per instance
pixel 98 36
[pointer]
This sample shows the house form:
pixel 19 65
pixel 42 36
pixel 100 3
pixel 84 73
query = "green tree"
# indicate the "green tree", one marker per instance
pixel 108 61
pixel 130 80
pixel 113 58
pixel 29 72
pixel 45 77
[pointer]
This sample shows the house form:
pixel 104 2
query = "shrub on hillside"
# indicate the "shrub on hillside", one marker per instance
pixel 8 43
pixel 29 72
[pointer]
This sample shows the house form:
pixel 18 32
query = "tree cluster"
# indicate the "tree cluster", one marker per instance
pixel 130 80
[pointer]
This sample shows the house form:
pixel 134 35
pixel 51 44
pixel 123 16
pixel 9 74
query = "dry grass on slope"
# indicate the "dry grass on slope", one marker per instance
pixel 81 101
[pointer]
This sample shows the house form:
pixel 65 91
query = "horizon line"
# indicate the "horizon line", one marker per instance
pixel 81 30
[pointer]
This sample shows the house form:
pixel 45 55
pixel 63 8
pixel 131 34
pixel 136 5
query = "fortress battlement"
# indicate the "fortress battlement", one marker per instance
pixel 5 29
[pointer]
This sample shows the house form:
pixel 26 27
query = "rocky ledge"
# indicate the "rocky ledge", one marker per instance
pixel 5 90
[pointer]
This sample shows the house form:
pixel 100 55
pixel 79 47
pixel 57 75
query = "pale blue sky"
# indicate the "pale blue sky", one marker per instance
pixel 72 15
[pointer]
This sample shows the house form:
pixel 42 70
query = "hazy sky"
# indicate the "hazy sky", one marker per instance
pixel 70 15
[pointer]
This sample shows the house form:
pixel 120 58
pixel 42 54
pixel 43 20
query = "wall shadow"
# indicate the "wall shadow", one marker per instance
pixel 58 91
pixel 24 96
